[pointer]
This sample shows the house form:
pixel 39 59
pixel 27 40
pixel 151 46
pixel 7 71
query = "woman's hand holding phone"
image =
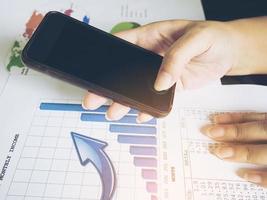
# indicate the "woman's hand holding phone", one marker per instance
pixel 195 53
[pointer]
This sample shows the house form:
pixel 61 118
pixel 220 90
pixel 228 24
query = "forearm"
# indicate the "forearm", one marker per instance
pixel 251 46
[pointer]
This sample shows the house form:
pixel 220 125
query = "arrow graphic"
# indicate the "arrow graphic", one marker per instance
pixel 91 150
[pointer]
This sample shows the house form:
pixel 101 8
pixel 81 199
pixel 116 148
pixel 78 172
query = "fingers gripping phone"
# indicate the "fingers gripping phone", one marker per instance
pixel 97 61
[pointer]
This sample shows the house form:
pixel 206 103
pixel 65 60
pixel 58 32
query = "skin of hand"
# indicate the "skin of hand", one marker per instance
pixel 243 139
pixel 195 53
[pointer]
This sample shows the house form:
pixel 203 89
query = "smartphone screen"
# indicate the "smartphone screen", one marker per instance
pixel 100 59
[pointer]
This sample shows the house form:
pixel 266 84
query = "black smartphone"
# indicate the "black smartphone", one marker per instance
pixel 97 61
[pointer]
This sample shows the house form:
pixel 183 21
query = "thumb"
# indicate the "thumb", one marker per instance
pixel 190 45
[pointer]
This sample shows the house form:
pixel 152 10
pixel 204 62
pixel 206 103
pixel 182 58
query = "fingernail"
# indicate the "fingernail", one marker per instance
pixel 179 85
pixel 213 131
pixel 254 178
pixel 142 117
pixel 224 152
pixel 83 106
pixel 163 82
pixel 93 105
pixel 107 117
pixel 138 121
pixel 115 115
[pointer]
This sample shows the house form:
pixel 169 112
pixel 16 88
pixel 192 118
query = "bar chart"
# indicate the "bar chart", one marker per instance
pixel 139 141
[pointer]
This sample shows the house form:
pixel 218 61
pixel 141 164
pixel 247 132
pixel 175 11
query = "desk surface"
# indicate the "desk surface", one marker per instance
pixel 234 9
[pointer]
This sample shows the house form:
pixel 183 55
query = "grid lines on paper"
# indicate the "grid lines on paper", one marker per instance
pixel 48 167
pixel 195 149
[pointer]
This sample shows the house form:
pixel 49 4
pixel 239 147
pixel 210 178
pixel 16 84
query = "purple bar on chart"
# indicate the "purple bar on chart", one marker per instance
pixel 116 128
pixel 151 187
pixel 100 117
pixel 129 139
pixel 144 151
pixel 149 174
pixel 153 197
pixel 145 162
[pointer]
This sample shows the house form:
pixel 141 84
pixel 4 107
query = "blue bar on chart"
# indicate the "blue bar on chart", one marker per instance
pixel 115 128
pixel 145 162
pixel 145 140
pixel 149 174
pixel 75 107
pixel 95 117
pixel 61 107
pixel 144 151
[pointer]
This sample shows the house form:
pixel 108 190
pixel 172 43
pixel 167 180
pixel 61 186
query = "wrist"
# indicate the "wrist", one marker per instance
pixel 249 46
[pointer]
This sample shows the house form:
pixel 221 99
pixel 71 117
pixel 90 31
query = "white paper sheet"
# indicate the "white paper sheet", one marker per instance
pixel 45 164
pixel 166 159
